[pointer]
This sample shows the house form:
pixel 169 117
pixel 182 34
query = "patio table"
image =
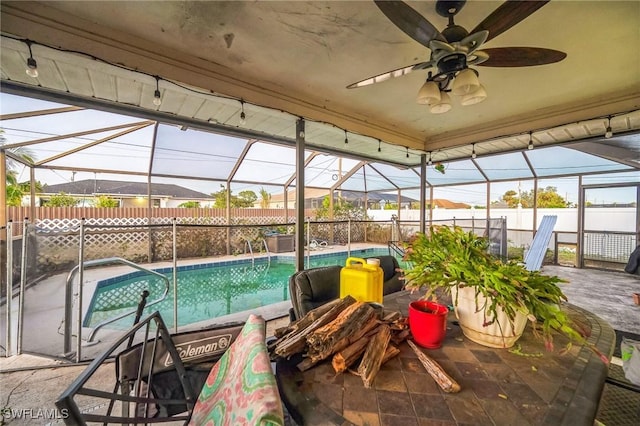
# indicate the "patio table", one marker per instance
pixel 524 385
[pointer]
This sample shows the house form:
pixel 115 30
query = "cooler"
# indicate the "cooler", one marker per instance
pixel 362 280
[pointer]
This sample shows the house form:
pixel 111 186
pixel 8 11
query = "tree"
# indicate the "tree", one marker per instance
pixel 243 199
pixel 190 205
pixel 546 198
pixel 342 210
pixel 62 200
pixel 511 198
pixel 16 190
pixel 106 201
pixel 265 198
pixel 220 198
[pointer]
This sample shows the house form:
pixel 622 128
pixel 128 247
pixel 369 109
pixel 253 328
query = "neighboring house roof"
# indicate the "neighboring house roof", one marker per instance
pixel 123 188
pixel 291 195
pixel 375 196
pixel 446 204
pixel 313 193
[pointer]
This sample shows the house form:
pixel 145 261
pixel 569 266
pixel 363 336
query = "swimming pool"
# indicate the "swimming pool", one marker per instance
pixel 206 291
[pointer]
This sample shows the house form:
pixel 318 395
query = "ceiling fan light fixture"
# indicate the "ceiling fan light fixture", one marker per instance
pixel 465 82
pixel 474 97
pixel 32 65
pixel 608 134
pixel 157 96
pixel 243 116
pixel 443 106
pixel 429 93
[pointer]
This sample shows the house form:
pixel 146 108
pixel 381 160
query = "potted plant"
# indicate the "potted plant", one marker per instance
pixel 504 294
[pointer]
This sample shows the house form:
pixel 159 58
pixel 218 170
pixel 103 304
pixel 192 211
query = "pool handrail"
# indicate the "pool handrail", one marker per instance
pixel 247 243
pixel 69 293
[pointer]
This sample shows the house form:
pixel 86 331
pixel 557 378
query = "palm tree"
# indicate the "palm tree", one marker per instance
pixel 16 190
pixel 265 198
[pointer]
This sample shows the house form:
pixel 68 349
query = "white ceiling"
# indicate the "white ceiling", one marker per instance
pixel 294 59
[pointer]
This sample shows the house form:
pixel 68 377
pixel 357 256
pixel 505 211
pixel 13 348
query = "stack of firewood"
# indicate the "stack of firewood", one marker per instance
pixel 348 331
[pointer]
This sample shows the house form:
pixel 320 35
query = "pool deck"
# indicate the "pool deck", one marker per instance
pixel 45 301
pixel 34 382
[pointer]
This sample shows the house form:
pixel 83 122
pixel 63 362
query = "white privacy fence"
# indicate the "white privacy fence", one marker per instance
pixel 610 219
pixel 609 233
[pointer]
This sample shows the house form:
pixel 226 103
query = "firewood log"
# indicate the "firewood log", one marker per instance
pixel 343 359
pixel 295 342
pixel 399 337
pixel 391 316
pixel 391 352
pixel 347 324
pixel 326 352
pixel 314 314
pixel 435 370
pixel 372 358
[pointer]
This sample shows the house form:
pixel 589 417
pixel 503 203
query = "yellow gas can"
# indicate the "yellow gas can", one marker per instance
pixel 362 280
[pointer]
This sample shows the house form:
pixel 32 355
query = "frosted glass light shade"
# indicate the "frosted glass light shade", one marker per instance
pixel 443 106
pixel 428 94
pixel 474 97
pixel 157 100
pixel 465 82
pixel 32 68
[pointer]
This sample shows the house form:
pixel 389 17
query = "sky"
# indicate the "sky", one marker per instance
pixel 207 156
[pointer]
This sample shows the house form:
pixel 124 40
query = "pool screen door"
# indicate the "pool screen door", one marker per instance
pixel 610 225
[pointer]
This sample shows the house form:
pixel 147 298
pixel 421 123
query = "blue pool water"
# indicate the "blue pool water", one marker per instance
pixel 206 291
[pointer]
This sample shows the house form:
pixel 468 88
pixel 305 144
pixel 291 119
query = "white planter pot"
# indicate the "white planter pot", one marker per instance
pixel 500 334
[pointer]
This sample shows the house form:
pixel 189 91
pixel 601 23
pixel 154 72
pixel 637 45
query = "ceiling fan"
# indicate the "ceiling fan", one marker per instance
pixel 455 48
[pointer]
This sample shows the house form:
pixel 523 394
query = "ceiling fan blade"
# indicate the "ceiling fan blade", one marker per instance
pixel 390 74
pixel 507 15
pixel 521 56
pixel 411 22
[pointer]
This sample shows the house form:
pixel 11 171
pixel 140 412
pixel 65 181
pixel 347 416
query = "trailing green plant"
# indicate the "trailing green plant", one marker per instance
pixel 449 257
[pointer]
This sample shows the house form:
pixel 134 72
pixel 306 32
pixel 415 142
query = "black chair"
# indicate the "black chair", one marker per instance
pixel 392 275
pixel 311 288
pixel 314 287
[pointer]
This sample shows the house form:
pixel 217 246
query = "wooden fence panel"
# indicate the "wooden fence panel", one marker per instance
pixel 17 214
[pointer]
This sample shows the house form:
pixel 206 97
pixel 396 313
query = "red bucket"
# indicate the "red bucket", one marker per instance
pixel 428 323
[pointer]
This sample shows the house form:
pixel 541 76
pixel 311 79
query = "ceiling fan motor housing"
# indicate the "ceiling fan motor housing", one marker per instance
pixel 454 33
pixel 452 63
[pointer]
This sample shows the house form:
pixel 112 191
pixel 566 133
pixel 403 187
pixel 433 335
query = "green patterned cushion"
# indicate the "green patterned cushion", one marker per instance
pixel 241 388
